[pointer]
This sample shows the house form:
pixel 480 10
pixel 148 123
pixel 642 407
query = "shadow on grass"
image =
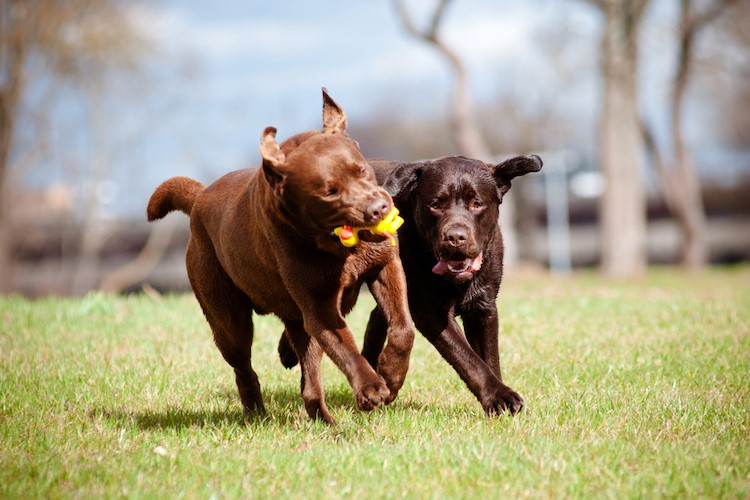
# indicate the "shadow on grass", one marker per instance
pixel 283 408
pixel 172 418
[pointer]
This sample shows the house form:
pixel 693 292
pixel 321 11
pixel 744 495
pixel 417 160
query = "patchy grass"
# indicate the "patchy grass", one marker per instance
pixel 633 389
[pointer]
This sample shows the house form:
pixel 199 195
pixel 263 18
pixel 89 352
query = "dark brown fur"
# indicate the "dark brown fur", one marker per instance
pixel 261 242
pixel 451 209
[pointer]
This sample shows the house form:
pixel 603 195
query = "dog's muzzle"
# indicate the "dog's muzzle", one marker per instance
pixel 461 269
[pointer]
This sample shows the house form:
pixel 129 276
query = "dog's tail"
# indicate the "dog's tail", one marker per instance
pixel 177 193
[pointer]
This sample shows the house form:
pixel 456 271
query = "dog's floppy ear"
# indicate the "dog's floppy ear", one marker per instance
pixel 273 158
pixel 513 167
pixel 334 118
pixel 402 180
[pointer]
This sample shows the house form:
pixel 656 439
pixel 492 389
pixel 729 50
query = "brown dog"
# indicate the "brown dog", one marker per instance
pixel 261 240
pixel 452 251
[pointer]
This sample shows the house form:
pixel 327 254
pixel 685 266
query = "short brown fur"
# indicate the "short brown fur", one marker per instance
pixel 261 242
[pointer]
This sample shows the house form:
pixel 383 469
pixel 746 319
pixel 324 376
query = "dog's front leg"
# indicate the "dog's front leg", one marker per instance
pixel 324 323
pixel 389 291
pixel 481 329
pixel 494 396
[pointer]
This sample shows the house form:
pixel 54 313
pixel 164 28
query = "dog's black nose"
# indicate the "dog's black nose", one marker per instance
pixel 456 236
pixel 377 210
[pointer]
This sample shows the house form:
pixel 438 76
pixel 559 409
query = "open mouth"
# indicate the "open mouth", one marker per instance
pixel 458 268
pixel 367 235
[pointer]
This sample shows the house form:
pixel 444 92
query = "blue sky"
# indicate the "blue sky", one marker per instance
pixel 219 72
pixel 268 51
pixel 225 70
pixel 257 62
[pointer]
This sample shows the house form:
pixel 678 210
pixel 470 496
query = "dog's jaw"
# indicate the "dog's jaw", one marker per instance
pixel 458 270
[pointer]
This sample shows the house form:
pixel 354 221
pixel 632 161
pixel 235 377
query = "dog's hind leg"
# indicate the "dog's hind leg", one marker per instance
pixel 375 334
pixel 309 353
pixel 229 313
pixel 287 355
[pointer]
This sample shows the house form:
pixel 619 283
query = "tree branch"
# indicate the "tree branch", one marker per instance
pixel 663 170
pixel 468 138
pixel 406 20
pixel 429 35
pixel 713 11
pixel 437 19
pixel 600 4
pixel 639 6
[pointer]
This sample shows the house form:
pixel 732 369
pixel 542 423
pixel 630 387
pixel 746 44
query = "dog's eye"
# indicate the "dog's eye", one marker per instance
pixel 331 191
pixel 362 172
pixel 477 205
pixel 434 205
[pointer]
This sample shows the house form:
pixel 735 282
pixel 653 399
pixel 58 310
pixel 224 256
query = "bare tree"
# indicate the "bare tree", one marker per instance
pixel 463 119
pixel 67 41
pixel 679 178
pixel 730 48
pixel 12 60
pixel 623 206
pixel 466 132
pixel 138 269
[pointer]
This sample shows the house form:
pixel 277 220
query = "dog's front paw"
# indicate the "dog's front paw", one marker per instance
pixel 503 399
pixel 393 364
pixel 394 375
pixel 371 396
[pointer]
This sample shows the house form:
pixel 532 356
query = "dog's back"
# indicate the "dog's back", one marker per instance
pixel 262 241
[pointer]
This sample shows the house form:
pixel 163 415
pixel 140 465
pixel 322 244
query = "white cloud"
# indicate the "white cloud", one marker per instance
pixel 180 33
pixel 489 37
pixel 273 60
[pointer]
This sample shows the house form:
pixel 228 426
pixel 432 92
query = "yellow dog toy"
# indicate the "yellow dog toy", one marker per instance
pixel 387 227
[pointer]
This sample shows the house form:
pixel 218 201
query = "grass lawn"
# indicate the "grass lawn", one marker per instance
pixel 633 389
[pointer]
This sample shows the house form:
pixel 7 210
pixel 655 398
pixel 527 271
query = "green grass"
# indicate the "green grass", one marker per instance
pixel 633 389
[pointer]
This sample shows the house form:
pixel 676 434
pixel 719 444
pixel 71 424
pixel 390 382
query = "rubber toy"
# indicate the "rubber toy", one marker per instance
pixel 387 227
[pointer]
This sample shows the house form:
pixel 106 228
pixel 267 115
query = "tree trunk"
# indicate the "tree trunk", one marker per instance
pixel 12 60
pixel 688 210
pixel 148 258
pixel 463 120
pixel 623 205
pixel 679 178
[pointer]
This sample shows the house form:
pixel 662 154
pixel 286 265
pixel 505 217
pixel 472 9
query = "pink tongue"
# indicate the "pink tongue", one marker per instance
pixel 476 264
pixel 470 265
pixel 440 267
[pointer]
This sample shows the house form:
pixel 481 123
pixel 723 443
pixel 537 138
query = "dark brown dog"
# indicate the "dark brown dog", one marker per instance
pixel 261 240
pixel 452 251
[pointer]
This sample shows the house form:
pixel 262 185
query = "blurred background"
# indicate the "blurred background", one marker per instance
pixel 640 110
